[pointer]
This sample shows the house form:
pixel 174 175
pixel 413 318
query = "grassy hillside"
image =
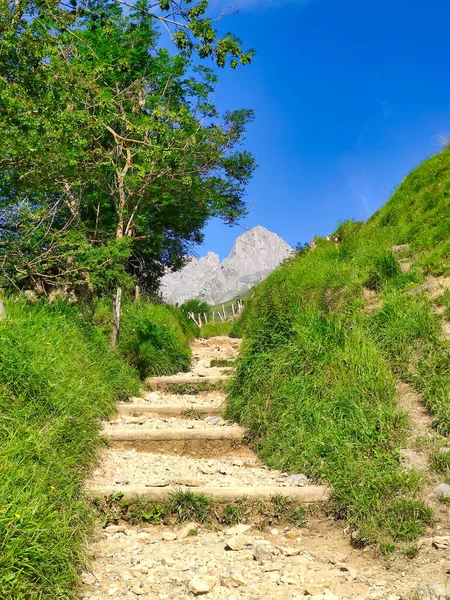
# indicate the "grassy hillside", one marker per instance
pixel 327 335
pixel 58 378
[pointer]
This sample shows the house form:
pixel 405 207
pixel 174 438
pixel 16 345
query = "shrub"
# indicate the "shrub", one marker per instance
pixel 154 338
pixel 196 306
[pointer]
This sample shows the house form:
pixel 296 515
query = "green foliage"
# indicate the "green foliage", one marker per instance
pixel 58 379
pixel 216 329
pixel 142 154
pixel 222 362
pixel 385 268
pixel 315 384
pixel 196 306
pixel 188 506
pixel 154 338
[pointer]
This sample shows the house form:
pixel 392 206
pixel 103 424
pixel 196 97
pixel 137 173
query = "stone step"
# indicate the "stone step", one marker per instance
pixel 156 382
pixel 128 408
pixel 125 433
pixel 302 495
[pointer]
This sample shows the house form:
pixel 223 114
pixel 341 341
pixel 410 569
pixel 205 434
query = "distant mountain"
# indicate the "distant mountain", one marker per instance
pixel 255 254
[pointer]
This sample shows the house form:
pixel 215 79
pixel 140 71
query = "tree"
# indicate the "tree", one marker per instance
pixel 196 306
pixel 107 136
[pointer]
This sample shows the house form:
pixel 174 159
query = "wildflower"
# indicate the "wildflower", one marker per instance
pixel 52 487
pixel 17 515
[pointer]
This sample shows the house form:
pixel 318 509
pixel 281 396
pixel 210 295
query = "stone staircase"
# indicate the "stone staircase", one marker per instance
pixel 146 428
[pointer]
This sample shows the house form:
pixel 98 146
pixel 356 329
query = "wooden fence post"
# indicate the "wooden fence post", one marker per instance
pixel 116 317
pixel 2 310
pixel 137 294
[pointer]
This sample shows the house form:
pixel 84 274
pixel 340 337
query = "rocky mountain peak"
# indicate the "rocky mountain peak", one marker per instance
pixel 255 254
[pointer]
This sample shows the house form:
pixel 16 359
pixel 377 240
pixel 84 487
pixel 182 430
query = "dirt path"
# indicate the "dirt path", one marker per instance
pixel 166 441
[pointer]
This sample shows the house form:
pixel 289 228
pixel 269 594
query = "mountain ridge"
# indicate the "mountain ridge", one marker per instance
pixel 255 254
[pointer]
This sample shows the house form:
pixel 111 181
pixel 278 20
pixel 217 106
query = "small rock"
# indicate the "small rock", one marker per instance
pixel 433 591
pixel 88 579
pixel 299 480
pixel 143 536
pixel 153 397
pixel 441 542
pixel 112 591
pixel 237 462
pixel 274 531
pixel 213 420
pixel 236 543
pixel 288 580
pixel 272 567
pixel 198 587
pixel 238 529
pixel 262 552
pixel 137 590
pixel 168 536
pixel 121 479
pixel 442 491
pixel 238 579
pixel 115 529
pixel 143 570
pixel 399 248
pixel 290 551
pixel 186 531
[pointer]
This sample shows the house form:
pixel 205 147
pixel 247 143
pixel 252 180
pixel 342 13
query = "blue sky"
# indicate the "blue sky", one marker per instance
pixel 349 96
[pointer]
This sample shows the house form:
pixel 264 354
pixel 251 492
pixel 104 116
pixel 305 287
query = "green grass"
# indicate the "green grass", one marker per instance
pixel 58 377
pixel 154 338
pixel 222 362
pixel 216 329
pixel 315 384
pixel 189 506
pixel 183 389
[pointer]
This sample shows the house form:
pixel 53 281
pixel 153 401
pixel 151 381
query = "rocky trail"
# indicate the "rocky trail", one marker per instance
pixel 173 439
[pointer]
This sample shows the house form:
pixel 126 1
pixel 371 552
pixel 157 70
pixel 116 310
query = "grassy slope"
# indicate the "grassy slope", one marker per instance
pixel 316 382
pixel 58 377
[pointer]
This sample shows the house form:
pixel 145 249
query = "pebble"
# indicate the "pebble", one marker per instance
pixel 262 552
pixel 198 587
pixel 115 529
pixel 299 479
pixel 238 529
pixel 186 531
pixel 236 543
pixel 442 491
pixel 440 542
